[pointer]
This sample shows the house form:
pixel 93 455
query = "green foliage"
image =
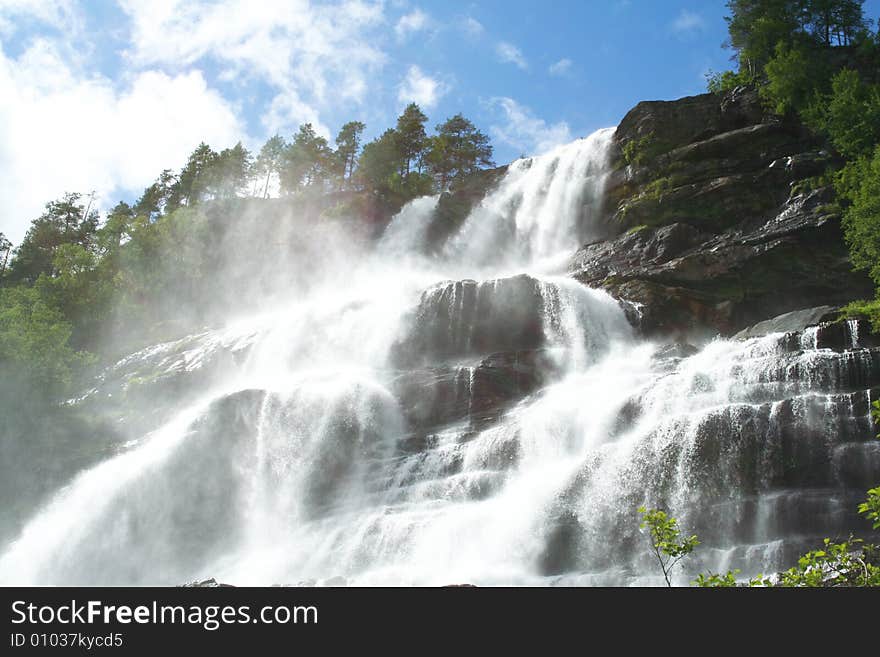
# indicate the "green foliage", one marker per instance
pixel 657 189
pixel 411 137
pixel 757 27
pixel 712 580
pixel 793 77
pixel 379 163
pixel 34 340
pixel 868 309
pixel 269 162
pixel 348 143
pixel 307 161
pixel 458 149
pixel 194 181
pixel 66 221
pixel 720 83
pixel 637 152
pixel 231 172
pixel 836 564
pixel 849 114
pixel 667 543
pixel 850 563
pixel 871 508
pixel 5 252
pixel 812 184
pixel 859 183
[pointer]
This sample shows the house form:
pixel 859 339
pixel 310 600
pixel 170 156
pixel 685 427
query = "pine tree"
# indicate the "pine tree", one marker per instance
pixel 411 138
pixel 457 150
pixel 348 143
pixel 307 161
pixel 270 161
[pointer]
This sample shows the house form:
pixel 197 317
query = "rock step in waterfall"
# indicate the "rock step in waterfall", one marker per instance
pixel 465 414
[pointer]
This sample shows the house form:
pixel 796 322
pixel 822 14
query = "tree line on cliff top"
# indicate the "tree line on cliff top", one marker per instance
pixel 818 62
pixel 75 269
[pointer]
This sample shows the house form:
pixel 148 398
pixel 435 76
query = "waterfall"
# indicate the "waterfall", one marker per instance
pixel 542 210
pixel 461 414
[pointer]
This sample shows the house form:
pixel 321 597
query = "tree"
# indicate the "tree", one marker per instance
pixel 757 26
pixel 411 138
pixel 458 149
pixel 666 540
pixel 270 161
pixel 348 143
pixel 65 221
pixel 230 172
pixel 859 183
pixel 380 162
pixel 5 250
pixel 850 114
pixel 835 22
pixel 155 198
pixel 195 178
pixel 306 162
pixel 794 76
pixel 847 564
pixel 117 227
pixel 34 341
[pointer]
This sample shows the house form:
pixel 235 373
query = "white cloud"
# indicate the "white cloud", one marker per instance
pixel 687 22
pixel 311 55
pixel 410 23
pixel 526 132
pixel 64 130
pixel 472 27
pixel 55 13
pixel 422 89
pixel 561 67
pixel 510 54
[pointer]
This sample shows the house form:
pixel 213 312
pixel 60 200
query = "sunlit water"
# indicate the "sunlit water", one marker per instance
pixel 304 463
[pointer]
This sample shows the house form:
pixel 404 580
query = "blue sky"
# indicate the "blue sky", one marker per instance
pixel 102 95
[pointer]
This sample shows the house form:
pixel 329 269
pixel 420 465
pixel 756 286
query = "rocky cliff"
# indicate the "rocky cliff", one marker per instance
pixel 716 219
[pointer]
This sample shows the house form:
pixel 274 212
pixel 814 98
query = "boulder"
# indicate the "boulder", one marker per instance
pixel 459 319
pixel 796 320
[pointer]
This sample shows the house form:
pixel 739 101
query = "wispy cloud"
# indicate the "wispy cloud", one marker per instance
pixel 561 67
pixel 410 23
pixel 420 88
pixel 510 54
pixel 524 131
pixel 55 13
pixel 688 22
pixel 472 27
pixel 309 55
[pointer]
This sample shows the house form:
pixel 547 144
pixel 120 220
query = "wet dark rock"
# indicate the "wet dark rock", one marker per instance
pixel 675 351
pixel 206 584
pixel 455 205
pixel 796 320
pixel 716 228
pixel 691 119
pixel 465 318
pixel 846 335
pixel 436 397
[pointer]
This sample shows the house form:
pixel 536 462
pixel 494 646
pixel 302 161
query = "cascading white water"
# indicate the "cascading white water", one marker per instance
pixel 467 417
pixel 541 212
